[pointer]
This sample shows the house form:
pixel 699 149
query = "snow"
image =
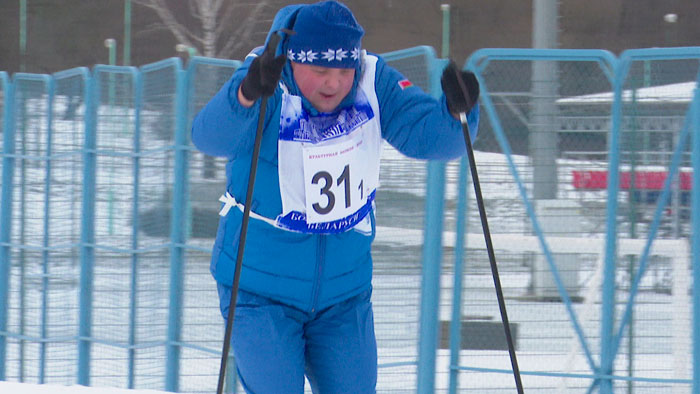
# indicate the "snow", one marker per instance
pixel 28 388
pixel 397 291
pixel 676 93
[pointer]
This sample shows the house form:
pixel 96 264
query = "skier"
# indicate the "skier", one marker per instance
pixel 303 306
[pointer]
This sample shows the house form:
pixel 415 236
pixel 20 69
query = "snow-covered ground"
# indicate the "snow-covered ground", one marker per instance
pixel 546 339
pixel 29 388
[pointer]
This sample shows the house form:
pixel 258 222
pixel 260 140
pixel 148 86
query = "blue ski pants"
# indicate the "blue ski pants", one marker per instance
pixel 276 345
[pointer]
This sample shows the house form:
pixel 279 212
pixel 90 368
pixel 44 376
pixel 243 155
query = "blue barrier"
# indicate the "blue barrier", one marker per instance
pixel 140 238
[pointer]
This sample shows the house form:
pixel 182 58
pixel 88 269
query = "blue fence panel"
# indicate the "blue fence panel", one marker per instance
pixel 648 85
pixel 396 203
pixel 32 241
pixel 108 213
pixel 8 163
pixel 116 92
pixel 519 110
pixel 695 237
pixel 568 105
pixel 87 234
pixel 66 208
pixel 202 336
pixel 159 145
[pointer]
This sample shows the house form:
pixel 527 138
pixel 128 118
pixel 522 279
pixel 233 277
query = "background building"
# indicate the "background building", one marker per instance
pixel 61 35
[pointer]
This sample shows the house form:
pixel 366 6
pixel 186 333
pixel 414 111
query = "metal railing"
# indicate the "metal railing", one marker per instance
pixel 107 215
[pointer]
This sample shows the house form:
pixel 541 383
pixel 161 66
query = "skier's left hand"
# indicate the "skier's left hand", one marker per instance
pixel 456 100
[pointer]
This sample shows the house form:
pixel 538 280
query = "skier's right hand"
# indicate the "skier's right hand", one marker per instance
pixel 264 72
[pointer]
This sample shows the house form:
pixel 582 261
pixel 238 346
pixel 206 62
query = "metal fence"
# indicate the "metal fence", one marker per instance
pixel 108 214
pixel 593 178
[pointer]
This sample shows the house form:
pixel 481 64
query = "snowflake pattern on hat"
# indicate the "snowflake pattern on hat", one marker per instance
pixel 338 54
pixel 330 55
pixel 307 56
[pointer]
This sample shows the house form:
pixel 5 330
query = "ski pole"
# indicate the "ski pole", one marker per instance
pixel 274 40
pixel 487 237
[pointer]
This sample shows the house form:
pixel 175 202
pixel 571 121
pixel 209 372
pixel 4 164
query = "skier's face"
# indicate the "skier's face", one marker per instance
pixel 324 87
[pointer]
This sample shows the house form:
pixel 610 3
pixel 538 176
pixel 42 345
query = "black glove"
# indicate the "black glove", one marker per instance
pixel 264 72
pixel 456 102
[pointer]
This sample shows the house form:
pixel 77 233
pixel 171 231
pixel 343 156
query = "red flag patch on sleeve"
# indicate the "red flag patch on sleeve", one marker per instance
pixel 405 83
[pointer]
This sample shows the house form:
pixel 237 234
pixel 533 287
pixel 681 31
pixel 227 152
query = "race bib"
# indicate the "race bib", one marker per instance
pixel 328 164
pixel 334 180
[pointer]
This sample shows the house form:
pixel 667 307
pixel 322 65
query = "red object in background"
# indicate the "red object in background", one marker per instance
pixel 643 180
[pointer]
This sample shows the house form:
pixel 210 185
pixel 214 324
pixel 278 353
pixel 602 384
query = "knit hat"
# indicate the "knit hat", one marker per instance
pixel 327 35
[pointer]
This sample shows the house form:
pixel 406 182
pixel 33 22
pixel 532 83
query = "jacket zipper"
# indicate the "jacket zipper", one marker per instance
pixel 320 256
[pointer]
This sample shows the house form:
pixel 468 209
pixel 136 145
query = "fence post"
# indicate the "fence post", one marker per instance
pixel 695 236
pixel 432 255
pixel 177 234
pixel 87 233
pixel 607 323
pixel 430 288
pixel 8 164
pixel 136 173
pixel 49 86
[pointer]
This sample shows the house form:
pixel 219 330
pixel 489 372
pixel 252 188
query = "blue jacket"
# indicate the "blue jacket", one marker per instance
pixel 308 271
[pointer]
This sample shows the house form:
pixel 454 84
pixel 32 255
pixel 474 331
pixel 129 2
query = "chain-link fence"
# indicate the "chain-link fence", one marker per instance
pixel 108 215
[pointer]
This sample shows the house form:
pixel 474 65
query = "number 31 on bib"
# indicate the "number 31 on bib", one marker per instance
pixel 334 180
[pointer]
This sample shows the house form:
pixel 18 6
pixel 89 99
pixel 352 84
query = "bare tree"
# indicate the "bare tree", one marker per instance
pixel 215 28
pixel 225 29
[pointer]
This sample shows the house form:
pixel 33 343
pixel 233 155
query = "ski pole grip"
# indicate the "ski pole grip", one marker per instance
pixel 465 93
